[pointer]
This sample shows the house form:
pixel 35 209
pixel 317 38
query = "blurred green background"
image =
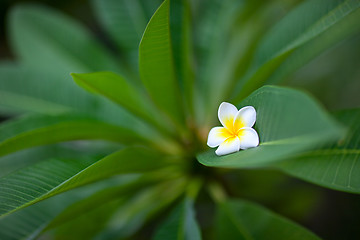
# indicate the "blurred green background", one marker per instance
pixel 333 78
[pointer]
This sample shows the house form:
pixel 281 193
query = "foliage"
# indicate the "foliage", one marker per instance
pixel 122 147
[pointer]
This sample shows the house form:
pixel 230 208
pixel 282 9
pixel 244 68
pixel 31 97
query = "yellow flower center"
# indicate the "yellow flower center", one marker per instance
pixel 232 128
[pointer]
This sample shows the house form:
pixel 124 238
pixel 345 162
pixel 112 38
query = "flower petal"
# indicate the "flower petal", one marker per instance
pixel 217 135
pixel 226 114
pixel 248 138
pixel 245 117
pixel 230 145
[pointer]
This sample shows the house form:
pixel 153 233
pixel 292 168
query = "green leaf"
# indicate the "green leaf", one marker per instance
pixel 27 90
pixel 120 91
pixel 142 208
pixel 30 222
pixel 289 45
pixel 46 179
pixel 238 219
pixel 125 22
pixel 41 130
pixel 111 192
pixel 122 209
pixel 212 32
pixel 227 34
pixel 341 30
pixel 181 39
pixel 335 83
pixel 288 122
pixel 21 159
pixel 334 166
pixel 180 224
pixel 157 67
pixel 47 40
pixel 95 210
pixel 88 224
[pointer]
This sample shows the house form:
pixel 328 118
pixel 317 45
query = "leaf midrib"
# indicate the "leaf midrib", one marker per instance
pixel 339 151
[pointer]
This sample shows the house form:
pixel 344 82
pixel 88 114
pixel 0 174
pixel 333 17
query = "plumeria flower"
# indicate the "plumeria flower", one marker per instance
pixel 237 132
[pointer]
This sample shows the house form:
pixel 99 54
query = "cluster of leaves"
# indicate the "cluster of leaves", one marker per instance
pixel 151 107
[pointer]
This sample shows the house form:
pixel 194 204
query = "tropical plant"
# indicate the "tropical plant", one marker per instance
pixel 126 156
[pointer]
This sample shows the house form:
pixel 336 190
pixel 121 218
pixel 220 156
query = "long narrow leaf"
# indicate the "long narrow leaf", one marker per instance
pixel 125 22
pixel 327 23
pixel 180 22
pixel 123 191
pixel 27 90
pixel 141 208
pixel 45 179
pixel 88 224
pixel 41 130
pixel 157 65
pixel 212 33
pixel 120 91
pixel 23 158
pixel 30 222
pixel 46 39
pixel 180 224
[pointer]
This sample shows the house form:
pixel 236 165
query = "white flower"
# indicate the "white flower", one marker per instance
pixel 237 132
